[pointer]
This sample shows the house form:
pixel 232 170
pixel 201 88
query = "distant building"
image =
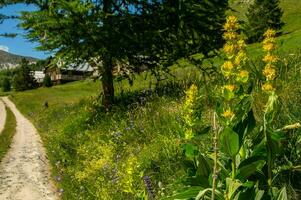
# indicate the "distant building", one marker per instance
pixel 71 72
pixel 39 76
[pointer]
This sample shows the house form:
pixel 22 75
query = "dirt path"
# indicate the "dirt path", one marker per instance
pixel 24 172
pixel 2 116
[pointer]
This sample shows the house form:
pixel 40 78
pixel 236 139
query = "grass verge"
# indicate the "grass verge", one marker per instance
pixel 8 132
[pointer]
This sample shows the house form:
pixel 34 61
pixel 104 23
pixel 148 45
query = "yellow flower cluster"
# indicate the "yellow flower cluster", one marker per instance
pixel 270 58
pixel 127 175
pixel 228 114
pixel 267 87
pixel 228 66
pixel 230 87
pixel 234 49
pixel 269 71
pixel 191 96
pixel 231 23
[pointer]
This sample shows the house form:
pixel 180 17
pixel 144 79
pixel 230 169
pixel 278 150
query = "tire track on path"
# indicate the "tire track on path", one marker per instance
pixel 24 171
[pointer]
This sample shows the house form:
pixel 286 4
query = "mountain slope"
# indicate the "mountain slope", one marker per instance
pixel 11 60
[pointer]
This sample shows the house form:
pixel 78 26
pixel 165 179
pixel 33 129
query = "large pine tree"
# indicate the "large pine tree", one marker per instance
pixel 263 14
pixel 134 33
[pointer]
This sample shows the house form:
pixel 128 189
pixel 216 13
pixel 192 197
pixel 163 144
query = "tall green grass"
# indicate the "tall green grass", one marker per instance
pixel 8 132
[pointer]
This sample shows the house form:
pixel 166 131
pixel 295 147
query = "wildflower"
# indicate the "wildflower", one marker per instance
pixel 231 23
pixel 267 87
pixel 191 96
pixel 228 66
pixel 269 46
pixel 269 33
pixel 242 76
pixel 229 87
pixel 228 114
pixel 241 44
pixel 229 48
pixel 270 58
pixel 241 56
pixel 230 35
pixel 269 72
pixel 191 93
pixel 149 187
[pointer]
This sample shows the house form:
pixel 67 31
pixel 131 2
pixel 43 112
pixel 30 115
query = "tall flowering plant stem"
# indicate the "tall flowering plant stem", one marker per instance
pixel 269 72
pixel 234 75
pixel 215 148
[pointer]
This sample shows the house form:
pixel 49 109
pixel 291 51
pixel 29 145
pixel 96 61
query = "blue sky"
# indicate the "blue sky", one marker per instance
pixel 19 45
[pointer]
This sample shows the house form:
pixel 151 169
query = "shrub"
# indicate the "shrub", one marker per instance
pixel 263 14
pixel 23 78
pixel 6 85
pixel 47 81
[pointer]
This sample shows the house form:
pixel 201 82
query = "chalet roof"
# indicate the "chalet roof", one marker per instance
pixel 82 67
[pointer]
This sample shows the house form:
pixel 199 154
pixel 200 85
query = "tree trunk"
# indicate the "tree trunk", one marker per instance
pixel 107 84
pixel 107 75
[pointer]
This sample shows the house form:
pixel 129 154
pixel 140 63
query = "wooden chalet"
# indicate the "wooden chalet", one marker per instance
pixel 72 72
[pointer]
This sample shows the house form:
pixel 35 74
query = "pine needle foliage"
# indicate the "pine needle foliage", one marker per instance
pixel 262 15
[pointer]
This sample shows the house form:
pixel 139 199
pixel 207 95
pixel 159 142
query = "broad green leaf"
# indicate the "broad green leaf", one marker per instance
pixel 229 142
pixel 282 194
pixel 189 193
pixel 232 186
pixel 249 166
pixel 245 194
pixel 278 136
pixel 260 150
pixel 245 126
pixel 259 194
pixel 190 150
pixel 204 167
pixel 206 194
pixel 248 184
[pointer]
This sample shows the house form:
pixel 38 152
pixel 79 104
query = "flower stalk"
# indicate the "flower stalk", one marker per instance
pixel 215 148
pixel 269 72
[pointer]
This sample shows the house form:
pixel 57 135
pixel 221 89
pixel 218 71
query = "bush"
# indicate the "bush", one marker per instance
pixel 6 85
pixel 23 78
pixel 47 81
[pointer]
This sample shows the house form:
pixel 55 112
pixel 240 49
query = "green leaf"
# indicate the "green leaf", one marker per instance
pixel 204 167
pixel 245 126
pixel 282 194
pixel 232 186
pixel 278 136
pixel 260 149
pixel 248 184
pixel 245 194
pixel 204 194
pixel 229 142
pixel 190 150
pixel 188 193
pixel 259 194
pixel 249 166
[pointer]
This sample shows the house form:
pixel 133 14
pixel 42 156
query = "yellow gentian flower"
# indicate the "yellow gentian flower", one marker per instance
pixel 267 87
pixel 270 58
pixel 228 114
pixel 228 66
pixel 269 72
